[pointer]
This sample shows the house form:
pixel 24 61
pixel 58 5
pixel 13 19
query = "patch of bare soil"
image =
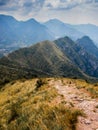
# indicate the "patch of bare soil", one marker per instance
pixel 79 99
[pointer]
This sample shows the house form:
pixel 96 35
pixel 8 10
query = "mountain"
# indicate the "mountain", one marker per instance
pixel 43 59
pixel 15 34
pixel 89 45
pixel 87 62
pixel 89 30
pixel 60 29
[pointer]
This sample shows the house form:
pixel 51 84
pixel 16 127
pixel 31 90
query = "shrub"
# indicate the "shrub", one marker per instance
pixel 39 83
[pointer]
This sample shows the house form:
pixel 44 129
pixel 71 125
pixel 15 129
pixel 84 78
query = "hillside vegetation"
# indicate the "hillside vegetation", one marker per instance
pixel 35 105
pixel 44 59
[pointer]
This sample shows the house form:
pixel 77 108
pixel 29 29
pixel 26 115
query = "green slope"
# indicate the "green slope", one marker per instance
pixel 44 59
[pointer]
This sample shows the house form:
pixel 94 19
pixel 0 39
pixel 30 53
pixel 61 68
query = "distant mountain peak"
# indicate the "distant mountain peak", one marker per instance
pixel 6 17
pixel 16 34
pixel 86 37
pixel 89 45
pixel 67 38
pixel 57 21
pixel 61 29
pixel 32 20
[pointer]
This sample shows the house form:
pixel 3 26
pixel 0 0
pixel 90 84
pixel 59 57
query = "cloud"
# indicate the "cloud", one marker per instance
pixel 65 4
pixel 36 5
pixel 21 4
pixel 66 10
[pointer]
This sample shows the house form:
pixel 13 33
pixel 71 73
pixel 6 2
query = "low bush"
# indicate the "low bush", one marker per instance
pixel 39 83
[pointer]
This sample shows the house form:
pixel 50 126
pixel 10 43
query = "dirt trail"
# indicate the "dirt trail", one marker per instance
pixel 82 100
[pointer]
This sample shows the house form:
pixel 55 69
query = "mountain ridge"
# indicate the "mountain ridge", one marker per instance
pixel 89 45
pixel 16 34
pixel 44 59
pixel 61 29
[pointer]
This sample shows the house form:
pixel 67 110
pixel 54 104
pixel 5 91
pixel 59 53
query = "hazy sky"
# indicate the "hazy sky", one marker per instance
pixel 69 11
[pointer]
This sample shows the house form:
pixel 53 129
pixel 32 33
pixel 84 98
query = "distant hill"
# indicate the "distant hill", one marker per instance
pixel 60 29
pixel 15 34
pixel 89 30
pixel 44 59
pixel 89 45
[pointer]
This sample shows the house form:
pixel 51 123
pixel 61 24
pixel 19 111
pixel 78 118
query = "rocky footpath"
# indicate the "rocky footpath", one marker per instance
pixel 81 99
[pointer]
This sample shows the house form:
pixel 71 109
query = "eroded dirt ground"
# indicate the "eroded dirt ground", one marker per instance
pixel 79 99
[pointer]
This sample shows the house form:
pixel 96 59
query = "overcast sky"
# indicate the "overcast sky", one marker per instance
pixel 69 11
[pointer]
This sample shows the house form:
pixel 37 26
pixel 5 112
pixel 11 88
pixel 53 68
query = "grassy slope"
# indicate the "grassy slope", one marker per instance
pixel 91 88
pixel 41 60
pixel 23 106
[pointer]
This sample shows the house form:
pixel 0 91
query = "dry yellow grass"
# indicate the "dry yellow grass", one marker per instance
pixel 91 88
pixel 82 84
pixel 23 107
